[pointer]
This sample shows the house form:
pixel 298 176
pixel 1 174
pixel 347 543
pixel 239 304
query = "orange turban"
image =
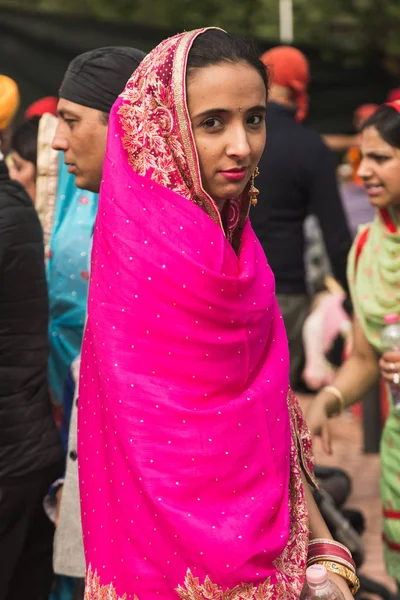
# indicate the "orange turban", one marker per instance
pixel 289 68
pixel 9 101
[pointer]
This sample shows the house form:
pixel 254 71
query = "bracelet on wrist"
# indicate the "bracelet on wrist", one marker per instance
pixel 336 393
pixel 336 558
pixel 326 549
pixel 329 557
pixel 336 569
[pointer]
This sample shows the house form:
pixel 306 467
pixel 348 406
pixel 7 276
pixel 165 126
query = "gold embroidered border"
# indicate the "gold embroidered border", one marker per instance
pixel 95 591
pixel 193 590
pixel 179 92
pixel 47 177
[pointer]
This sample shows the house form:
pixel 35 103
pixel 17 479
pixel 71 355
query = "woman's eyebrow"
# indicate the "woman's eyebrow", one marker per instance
pixel 377 154
pixel 213 111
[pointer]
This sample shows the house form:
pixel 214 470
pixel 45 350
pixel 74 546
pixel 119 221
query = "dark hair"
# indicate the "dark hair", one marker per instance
pixel 24 140
pixel 386 121
pixel 215 46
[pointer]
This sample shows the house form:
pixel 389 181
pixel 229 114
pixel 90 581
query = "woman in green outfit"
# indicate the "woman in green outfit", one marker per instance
pixel 374 279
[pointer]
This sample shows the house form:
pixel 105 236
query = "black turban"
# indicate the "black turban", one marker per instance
pixel 96 78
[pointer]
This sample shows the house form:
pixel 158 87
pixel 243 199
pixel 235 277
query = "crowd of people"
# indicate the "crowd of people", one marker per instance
pixel 157 308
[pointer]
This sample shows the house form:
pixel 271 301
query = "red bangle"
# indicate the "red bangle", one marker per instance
pixel 328 543
pixel 329 550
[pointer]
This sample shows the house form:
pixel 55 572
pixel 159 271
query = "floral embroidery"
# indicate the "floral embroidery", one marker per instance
pixel 209 591
pixel 302 434
pixel 47 178
pixel 95 591
pixel 151 136
pixel 292 562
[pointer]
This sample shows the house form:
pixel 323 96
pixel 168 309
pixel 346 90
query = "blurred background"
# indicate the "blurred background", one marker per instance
pixel 353 45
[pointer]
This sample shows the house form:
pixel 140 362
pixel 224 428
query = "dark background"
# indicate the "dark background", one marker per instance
pixel 37 47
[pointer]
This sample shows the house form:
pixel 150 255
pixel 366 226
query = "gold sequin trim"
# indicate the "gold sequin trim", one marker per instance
pixel 95 591
pixel 179 92
pixel 194 590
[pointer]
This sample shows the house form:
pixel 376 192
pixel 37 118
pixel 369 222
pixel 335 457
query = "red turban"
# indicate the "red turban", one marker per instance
pixel 44 105
pixel 365 111
pixel 394 104
pixel 393 95
pixel 289 68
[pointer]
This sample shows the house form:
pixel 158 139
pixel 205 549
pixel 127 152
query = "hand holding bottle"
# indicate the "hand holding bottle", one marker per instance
pixel 318 586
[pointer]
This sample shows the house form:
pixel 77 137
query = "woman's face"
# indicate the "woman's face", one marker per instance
pixel 227 110
pixel 24 172
pixel 380 169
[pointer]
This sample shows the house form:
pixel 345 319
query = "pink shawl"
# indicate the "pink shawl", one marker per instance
pixel 189 467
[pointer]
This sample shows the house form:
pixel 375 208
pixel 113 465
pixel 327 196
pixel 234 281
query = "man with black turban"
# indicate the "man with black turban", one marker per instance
pixel 90 87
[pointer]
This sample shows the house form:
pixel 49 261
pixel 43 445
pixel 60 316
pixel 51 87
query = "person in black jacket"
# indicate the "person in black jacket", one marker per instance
pixel 297 178
pixel 30 450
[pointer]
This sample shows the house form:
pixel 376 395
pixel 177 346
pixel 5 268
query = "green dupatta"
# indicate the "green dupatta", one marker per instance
pixel 374 273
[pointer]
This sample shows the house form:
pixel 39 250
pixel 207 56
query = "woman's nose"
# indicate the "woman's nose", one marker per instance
pixel 364 170
pixel 239 144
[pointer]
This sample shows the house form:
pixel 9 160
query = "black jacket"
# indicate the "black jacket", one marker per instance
pixel 297 178
pixel 29 440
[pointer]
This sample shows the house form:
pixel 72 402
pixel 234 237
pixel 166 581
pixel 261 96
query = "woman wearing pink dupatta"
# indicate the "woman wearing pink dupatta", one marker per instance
pixel 191 444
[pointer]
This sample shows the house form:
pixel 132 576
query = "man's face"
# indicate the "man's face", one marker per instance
pixel 81 134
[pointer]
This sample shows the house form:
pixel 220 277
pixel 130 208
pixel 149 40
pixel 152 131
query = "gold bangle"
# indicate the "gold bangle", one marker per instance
pixel 329 557
pixel 351 578
pixel 331 389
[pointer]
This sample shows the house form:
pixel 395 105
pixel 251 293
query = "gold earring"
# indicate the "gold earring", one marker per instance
pixel 253 191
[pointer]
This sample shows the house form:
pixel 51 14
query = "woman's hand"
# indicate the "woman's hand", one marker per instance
pixel 342 585
pixel 355 378
pixel 319 529
pixel 389 365
pixel 317 417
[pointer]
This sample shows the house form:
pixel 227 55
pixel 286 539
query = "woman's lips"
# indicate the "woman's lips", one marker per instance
pixel 374 190
pixel 235 174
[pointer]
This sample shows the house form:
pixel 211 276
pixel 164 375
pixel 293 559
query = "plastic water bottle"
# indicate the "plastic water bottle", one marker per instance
pixel 318 585
pixel 390 338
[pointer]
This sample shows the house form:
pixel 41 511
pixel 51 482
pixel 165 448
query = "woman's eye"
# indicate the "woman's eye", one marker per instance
pixel 255 119
pixel 381 159
pixel 211 123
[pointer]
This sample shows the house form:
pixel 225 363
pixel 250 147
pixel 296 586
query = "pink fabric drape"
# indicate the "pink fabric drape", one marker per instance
pixel 185 438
